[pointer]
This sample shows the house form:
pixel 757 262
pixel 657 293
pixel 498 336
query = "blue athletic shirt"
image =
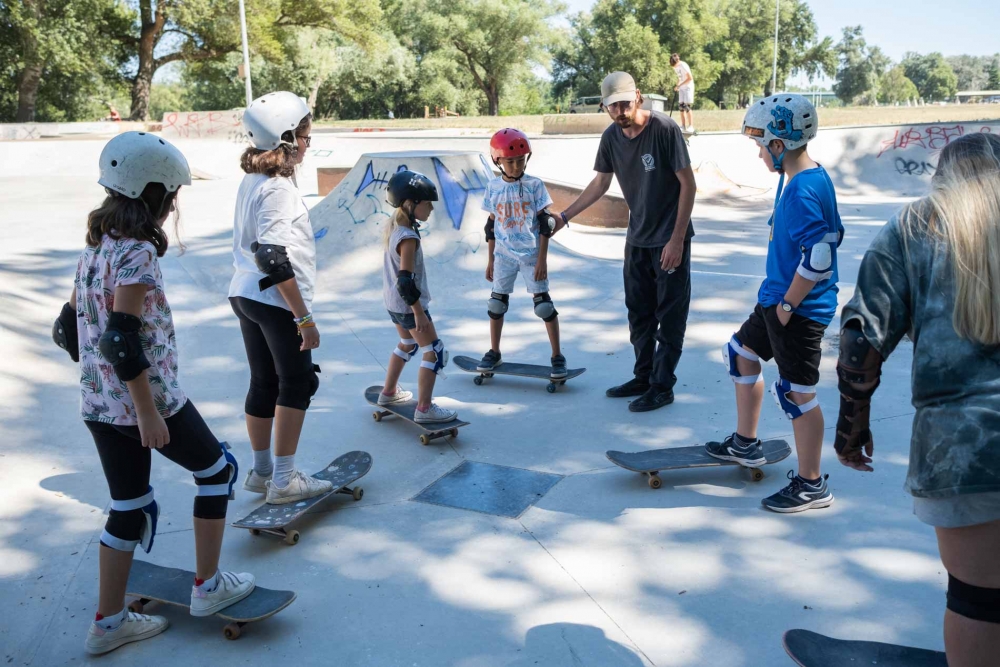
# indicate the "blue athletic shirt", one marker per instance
pixel 804 216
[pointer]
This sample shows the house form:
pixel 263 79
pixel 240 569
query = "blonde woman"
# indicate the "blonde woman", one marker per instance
pixel 404 288
pixel 933 272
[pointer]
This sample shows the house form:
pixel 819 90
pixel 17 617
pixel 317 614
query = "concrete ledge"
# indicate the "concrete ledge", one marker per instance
pixel 575 123
pixel 32 131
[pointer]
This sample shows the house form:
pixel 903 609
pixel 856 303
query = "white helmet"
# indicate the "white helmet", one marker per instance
pixel 133 160
pixel 270 116
pixel 786 116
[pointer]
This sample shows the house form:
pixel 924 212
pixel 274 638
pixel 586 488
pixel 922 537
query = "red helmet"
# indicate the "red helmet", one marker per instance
pixel 509 142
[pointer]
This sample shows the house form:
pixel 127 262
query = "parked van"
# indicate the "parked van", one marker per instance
pixel 586 105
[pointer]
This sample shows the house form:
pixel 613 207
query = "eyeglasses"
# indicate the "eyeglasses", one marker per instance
pixel 307 139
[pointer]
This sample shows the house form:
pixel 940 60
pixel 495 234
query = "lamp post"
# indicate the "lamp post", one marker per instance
pixel 774 68
pixel 246 52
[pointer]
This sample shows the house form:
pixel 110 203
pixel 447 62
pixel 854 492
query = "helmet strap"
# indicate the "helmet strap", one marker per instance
pixel 777 160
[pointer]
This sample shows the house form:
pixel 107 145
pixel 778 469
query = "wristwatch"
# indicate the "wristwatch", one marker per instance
pixel 787 307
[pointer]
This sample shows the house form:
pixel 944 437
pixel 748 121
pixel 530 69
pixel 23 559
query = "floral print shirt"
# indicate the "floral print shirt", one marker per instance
pixel 105 398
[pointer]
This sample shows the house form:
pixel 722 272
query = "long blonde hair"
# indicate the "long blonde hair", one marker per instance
pixel 401 214
pixel 963 209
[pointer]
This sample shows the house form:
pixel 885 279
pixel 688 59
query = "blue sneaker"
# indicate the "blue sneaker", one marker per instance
pixel 749 456
pixel 490 361
pixel 799 496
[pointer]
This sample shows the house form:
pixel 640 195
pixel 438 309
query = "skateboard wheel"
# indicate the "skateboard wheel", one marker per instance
pixel 254 532
pixel 756 474
pixel 358 493
pixel 425 440
pixel 654 481
pixel 232 631
pixel 454 432
pixel 292 537
pixel 136 606
pixel 376 416
pixel 551 387
pixel 477 380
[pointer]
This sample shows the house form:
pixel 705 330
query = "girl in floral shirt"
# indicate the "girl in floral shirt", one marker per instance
pixel 117 325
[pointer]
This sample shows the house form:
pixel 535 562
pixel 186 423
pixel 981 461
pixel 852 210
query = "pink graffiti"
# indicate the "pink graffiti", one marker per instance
pixel 933 138
pixel 203 124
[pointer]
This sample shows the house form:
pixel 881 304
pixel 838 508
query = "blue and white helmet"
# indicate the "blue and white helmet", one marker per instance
pixel 786 116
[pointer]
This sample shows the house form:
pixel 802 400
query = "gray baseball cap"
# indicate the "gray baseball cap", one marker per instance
pixel 617 87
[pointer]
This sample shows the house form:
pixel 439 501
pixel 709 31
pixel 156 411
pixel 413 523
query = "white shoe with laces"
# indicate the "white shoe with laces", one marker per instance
pixel 135 627
pixel 233 587
pixel 434 414
pixel 256 483
pixel 301 487
pixel 401 396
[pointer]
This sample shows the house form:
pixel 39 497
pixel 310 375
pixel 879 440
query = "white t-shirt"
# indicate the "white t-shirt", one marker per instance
pixel 515 207
pixel 104 398
pixel 271 212
pixel 683 72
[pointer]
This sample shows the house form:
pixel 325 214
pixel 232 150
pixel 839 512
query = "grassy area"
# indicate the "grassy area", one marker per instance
pixel 710 121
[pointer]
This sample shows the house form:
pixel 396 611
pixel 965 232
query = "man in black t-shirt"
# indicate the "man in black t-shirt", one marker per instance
pixel 646 152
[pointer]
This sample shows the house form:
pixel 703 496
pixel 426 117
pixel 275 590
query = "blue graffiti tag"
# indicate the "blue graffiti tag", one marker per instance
pixel 454 193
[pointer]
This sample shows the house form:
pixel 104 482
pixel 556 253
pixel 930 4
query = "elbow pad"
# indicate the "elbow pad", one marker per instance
pixel 490 236
pixel 546 224
pixel 121 346
pixel 64 332
pixel 407 287
pixel 272 260
pixel 817 261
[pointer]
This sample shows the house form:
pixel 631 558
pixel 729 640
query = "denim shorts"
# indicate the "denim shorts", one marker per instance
pixel 407 320
pixel 959 511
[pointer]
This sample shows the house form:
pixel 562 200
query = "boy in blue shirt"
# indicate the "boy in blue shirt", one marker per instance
pixel 796 302
pixel 518 231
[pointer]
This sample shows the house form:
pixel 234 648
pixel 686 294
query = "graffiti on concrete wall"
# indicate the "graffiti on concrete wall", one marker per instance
pixel 226 125
pixel 930 138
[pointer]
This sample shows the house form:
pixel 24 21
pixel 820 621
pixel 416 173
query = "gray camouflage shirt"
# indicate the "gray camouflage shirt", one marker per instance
pixel 390 269
pixel 906 286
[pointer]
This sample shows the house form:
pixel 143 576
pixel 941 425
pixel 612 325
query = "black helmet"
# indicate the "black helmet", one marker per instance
pixel 412 185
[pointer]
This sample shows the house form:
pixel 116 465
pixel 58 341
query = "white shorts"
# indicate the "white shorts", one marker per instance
pixel 685 96
pixel 505 270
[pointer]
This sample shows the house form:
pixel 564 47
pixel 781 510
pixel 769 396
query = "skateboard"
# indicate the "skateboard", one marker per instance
pixel 651 462
pixel 407 411
pixel 810 649
pixel 519 370
pixel 273 519
pixel 169 585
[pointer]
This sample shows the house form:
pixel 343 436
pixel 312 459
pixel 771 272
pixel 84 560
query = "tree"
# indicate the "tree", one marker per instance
pixel 931 74
pixel 861 68
pixel 55 41
pixel 894 87
pixel 491 39
pixel 993 74
pixel 971 71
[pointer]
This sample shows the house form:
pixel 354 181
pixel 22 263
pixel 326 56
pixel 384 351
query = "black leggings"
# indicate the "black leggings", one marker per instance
pixel 127 465
pixel 280 374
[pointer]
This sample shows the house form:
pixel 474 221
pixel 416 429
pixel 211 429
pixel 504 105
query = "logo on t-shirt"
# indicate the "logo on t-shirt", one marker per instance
pixel 648 163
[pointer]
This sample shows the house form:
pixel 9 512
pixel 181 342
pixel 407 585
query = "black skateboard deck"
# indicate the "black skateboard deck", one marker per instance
pixel 651 462
pixel 273 519
pixel 172 586
pixel 537 371
pixel 810 649
pixel 407 411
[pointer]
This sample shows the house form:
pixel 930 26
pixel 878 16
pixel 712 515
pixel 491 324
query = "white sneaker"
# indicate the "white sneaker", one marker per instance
pixel 434 415
pixel 232 588
pixel 401 396
pixel 256 483
pixel 300 487
pixel 134 628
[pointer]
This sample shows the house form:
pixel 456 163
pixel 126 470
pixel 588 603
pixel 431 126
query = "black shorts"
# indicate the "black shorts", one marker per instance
pixel 408 320
pixel 795 348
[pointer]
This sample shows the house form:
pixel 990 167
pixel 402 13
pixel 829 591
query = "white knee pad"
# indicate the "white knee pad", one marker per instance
pixel 225 488
pixel 732 350
pixel 780 390
pixel 440 357
pixel 405 356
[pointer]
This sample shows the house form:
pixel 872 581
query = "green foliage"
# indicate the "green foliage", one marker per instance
pixel 993 74
pixel 861 68
pixel 895 88
pixel 931 74
pixel 972 72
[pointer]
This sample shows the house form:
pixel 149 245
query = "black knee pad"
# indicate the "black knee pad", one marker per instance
pixel 975 602
pixel 126 526
pixel 296 391
pixel 213 505
pixel 685 106
pixel 261 398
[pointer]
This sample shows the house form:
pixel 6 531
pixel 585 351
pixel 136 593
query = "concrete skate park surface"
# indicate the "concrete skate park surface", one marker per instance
pixel 601 570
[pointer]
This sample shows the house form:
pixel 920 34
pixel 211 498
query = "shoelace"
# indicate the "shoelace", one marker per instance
pixel 794 486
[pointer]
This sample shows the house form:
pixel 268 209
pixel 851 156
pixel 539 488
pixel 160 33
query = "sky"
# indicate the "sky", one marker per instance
pixel 952 27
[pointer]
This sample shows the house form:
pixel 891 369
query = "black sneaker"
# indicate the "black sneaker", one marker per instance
pixel 558 367
pixel 652 399
pixel 634 387
pixel 799 496
pixel 490 361
pixel 750 456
